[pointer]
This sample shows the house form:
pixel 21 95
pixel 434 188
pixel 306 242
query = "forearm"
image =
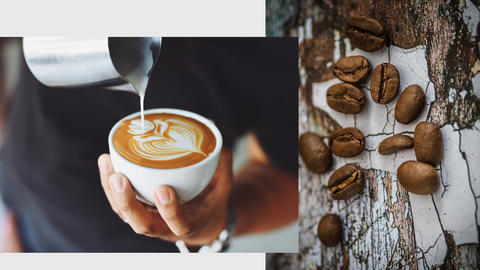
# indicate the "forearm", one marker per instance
pixel 10 59
pixel 264 198
pixel 11 239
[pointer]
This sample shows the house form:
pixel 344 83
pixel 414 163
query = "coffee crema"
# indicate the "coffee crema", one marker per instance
pixel 167 141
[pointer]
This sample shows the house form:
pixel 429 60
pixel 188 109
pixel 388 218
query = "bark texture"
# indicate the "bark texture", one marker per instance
pixel 379 224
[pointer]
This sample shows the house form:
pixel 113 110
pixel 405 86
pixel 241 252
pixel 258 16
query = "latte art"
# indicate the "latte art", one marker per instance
pixel 154 144
pixel 166 141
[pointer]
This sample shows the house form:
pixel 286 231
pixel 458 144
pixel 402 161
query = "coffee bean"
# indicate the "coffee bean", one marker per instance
pixel 410 104
pixel 347 142
pixel 329 230
pixel 385 83
pixel 352 69
pixel 314 152
pixel 345 182
pixel 428 143
pixel 365 33
pixel 345 98
pixel 395 143
pixel 418 177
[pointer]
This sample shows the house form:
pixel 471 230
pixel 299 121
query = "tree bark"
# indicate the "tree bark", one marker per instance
pixel 379 226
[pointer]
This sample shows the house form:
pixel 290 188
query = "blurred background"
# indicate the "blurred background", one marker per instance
pixel 282 240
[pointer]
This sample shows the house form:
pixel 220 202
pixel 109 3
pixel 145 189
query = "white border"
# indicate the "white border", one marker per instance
pixel 143 261
pixel 133 18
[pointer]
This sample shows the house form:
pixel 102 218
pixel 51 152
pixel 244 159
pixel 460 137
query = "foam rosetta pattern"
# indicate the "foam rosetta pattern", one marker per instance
pixel 166 141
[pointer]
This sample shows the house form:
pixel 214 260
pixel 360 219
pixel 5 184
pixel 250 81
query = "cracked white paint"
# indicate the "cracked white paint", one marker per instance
pixel 451 95
pixel 470 17
pixel 301 34
pixel 312 258
pixel 455 192
pixel 376 121
pixel 470 139
pixel 348 46
pixel 308 28
pixel 336 50
pixel 303 75
pixel 453 206
pixel 476 84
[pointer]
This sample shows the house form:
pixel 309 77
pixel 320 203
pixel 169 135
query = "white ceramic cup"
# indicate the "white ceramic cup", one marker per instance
pixel 187 182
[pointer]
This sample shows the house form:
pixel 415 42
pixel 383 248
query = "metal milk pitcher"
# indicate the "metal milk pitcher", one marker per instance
pixel 115 63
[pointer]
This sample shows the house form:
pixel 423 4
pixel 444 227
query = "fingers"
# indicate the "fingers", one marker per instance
pixel 172 212
pixel 192 216
pixel 143 220
pixel 174 220
pixel 106 170
pixel 134 212
pixel 123 201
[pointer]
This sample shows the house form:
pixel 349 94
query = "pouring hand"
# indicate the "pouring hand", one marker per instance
pixel 196 222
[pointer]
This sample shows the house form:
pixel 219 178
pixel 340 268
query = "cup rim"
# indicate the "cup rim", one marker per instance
pixel 209 123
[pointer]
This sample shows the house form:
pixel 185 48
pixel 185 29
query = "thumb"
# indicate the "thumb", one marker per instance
pixel 106 170
pixel 172 212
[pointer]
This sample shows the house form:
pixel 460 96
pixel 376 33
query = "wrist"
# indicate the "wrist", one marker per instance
pixel 221 243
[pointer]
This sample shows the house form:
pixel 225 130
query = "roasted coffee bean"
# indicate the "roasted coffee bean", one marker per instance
pixel 365 33
pixel 418 177
pixel 395 143
pixel 410 104
pixel 352 69
pixel 428 143
pixel 345 98
pixel 314 152
pixel 345 182
pixel 347 142
pixel 329 230
pixel 385 83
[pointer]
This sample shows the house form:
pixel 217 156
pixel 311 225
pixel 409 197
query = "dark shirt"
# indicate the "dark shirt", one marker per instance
pixel 49 174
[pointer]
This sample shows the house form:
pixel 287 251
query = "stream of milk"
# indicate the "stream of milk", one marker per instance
pixel 133 59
